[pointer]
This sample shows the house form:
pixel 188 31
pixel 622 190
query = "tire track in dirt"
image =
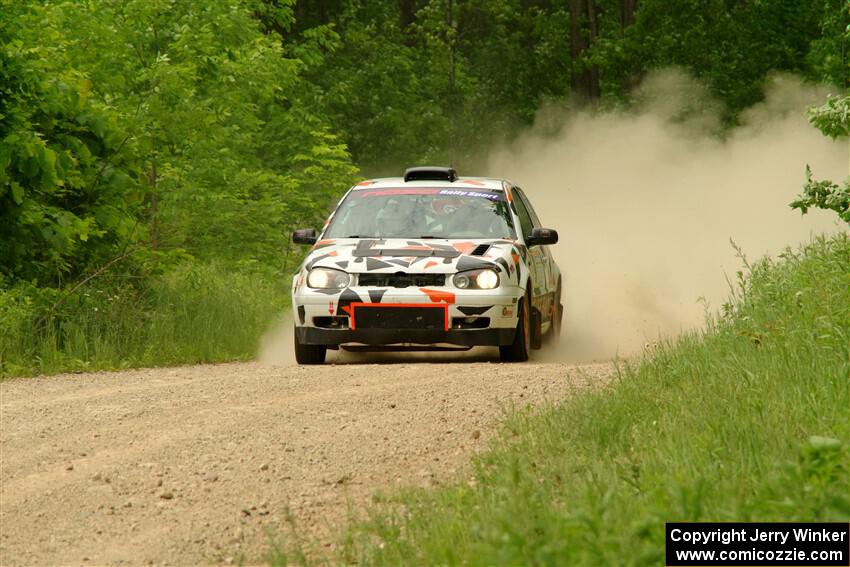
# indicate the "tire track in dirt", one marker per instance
pixel 194 465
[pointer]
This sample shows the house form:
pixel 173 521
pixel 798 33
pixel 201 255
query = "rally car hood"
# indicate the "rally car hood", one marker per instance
pixel 358 255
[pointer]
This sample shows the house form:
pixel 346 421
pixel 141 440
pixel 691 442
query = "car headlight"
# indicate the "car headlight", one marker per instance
pixel 327 278
pixel 477 279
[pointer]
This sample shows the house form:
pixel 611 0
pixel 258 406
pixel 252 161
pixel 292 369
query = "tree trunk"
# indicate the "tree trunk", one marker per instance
pixel 593 28
pixel 631 77
pixel 407 13
pixel 583 32
pixel 154 206
pixel 627 13
pixel 450 41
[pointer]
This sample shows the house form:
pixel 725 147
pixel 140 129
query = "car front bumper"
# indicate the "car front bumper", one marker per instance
pixel 408 337
pixel 471 317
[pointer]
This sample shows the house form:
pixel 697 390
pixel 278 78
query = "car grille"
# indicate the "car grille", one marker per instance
pixel 388 317
pixel 401 280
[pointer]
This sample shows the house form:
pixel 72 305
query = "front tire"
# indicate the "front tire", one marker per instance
pixel 557 317
pixel 518 350
pixel 308 354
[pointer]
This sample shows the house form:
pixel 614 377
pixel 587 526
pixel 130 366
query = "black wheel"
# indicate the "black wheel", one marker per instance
pixel 536 329
pixel 518 350
pixel 557 317
pixel 309 354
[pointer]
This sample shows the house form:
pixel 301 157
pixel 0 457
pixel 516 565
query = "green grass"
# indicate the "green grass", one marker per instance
pixel 198 313
pixel 748 421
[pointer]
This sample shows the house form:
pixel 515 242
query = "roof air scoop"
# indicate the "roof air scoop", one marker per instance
pixel 429 173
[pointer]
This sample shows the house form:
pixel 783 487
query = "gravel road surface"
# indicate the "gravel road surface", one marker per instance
pixel 195 465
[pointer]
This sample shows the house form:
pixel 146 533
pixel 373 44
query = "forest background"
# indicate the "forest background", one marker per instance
pixel 156 154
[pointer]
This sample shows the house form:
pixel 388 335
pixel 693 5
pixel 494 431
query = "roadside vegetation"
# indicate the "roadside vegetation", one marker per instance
pixel 746 421
pixel 194 313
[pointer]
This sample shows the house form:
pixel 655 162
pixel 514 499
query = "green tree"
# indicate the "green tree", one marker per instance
pixel 831 57
pixel 439 81
pixel 230 152
pixel 732 46
pixel 68 177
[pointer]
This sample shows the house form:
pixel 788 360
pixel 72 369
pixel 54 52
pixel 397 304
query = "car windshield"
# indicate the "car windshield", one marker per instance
pixel 421 213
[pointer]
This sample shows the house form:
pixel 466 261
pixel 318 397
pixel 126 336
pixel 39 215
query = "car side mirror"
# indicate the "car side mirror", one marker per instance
pixel 304 236
pixel 542 236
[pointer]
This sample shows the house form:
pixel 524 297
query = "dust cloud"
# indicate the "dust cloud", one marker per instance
pixel 646 203
pixel 276 346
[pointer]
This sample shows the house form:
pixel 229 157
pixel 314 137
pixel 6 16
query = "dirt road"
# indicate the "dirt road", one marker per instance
pixel 193 465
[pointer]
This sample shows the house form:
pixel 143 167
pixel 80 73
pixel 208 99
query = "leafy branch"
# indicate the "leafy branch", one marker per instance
pixel 833 119
pixel 824 195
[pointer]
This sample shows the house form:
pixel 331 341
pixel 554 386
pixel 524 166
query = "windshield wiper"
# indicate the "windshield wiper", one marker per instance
pixel 427 237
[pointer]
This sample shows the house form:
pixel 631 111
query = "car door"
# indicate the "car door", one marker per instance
pixel 536 256
pixel 541 258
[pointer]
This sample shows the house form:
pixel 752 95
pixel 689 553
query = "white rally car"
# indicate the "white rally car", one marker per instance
pixel 424 262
